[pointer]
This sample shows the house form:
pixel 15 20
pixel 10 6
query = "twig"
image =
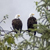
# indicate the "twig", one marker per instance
pixel 2 20
pixel 24 38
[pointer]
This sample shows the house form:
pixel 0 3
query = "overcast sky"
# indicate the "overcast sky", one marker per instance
pixel 13 7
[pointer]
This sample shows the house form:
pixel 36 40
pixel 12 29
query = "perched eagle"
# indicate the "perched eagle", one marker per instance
pixel 17 23
pixel 31 20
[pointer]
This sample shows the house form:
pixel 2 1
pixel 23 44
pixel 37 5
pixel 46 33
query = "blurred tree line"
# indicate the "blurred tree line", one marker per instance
pixel 34 42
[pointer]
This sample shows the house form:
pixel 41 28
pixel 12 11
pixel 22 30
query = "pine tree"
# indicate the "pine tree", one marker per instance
pixel 44 26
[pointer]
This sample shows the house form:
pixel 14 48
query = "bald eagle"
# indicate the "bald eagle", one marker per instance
pixel 17 23
pixel 31 20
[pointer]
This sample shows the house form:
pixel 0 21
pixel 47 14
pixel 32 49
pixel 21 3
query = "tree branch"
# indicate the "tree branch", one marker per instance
pixel 2 20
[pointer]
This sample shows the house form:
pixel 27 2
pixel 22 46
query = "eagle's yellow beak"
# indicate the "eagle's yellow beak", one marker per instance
pixel 18 15
pixel 32 14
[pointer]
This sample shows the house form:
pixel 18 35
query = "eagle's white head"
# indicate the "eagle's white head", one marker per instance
pixel 17 16
pixel 31 14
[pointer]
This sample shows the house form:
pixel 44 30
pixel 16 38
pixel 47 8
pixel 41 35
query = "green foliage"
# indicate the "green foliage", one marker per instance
pixel 9 39
pixel 36 3
pixel 44 29
pixel 8 48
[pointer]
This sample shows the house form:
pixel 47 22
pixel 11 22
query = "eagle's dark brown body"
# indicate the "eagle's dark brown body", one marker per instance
pixel 30 22
pixel 17 24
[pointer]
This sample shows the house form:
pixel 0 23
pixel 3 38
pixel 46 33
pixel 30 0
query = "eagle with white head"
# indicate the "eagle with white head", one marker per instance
pixel 17 23
pixel 30 22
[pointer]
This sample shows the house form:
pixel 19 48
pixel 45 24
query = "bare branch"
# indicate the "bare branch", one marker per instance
pixel 2 20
